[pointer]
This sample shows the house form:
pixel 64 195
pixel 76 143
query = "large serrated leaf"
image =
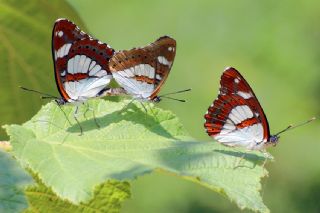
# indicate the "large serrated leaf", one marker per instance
pixel 12 182
pixel 130 143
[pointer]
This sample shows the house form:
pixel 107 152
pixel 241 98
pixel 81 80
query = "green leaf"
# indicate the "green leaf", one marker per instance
pixel 107 198
pixel 25 49
pixel 130 143
pixel 12 182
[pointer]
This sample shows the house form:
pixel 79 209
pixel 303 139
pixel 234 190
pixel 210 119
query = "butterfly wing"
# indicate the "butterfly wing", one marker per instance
pixel 81 63
pixel 236 118
pixel 142 71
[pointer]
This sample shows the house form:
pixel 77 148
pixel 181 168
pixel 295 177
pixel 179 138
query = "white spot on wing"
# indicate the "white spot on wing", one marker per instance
pixel 81 63
pixel 68 46
pixel 70 66
pixel 95 70
pixel 240 113
pixel 158 77
pixel 63 51
pixel 58 53
pixel 101 73
pixel 92 64
pixel 128 72
pixel 86 64
pixel 76 63
pixel 245 95
pixel 142 70
pixel 164 61
pixel 139 70
pixel 151 71
pixel 227 127
pixel 236 80
pixel 60 33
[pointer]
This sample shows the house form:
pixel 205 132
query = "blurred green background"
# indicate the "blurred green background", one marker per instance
pixel 274 44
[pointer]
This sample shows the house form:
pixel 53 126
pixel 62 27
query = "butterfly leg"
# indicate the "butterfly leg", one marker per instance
pixel 266 155
pixel 95 119
pixel 87 110
pixel 145 109
pixel 75 115
pixel 93 113
pixel 152 112
pixel 126 106
pixel 65 115
pixel 150 105
pixel 239 161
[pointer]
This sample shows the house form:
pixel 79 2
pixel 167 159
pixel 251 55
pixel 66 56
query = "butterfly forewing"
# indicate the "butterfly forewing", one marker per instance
pixel 81 63
pixel 236 118
pixel 142 71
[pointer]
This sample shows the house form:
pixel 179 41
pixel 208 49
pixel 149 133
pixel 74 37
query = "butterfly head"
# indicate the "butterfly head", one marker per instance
pixel 60 101
pixel 274 139
pixel 156 99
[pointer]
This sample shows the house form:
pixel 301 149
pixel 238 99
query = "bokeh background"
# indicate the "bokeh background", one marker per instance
pixel 275 45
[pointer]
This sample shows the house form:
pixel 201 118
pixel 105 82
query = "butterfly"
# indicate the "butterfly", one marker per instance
pixel 81 63
pixel 81 66
pixel 236 117
pixel 143 71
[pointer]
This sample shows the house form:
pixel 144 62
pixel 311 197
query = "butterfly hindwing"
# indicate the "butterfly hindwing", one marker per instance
pixel 236 118
pixel 81 62
pixel 142 71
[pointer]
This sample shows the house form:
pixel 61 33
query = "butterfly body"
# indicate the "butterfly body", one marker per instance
pixel 236 118
pixel 142 71
pixel 80 63
pixel 60 101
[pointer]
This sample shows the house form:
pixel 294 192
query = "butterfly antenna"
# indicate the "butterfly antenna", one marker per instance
pixel 47 97
pixel 290 127
pixel 181 100
pixel 181 91
pixel 41 93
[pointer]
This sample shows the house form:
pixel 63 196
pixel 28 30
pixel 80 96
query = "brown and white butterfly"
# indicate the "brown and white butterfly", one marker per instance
pixel 142 71
pixel 236 118
pixel 81 63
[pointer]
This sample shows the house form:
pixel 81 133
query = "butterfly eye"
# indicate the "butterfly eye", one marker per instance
pixel 156 99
